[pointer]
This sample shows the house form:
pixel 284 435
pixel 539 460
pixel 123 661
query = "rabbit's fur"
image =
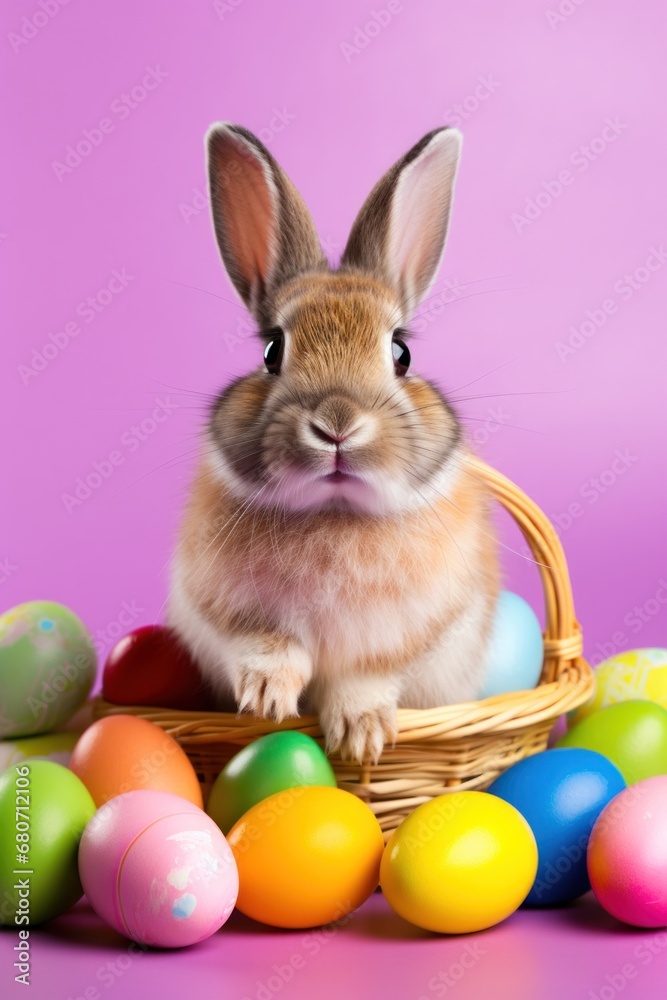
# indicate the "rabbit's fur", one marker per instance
pixel 335 555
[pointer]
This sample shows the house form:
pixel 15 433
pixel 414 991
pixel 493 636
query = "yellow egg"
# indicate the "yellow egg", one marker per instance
pixel 52 746
pixel 306 856
pixel 459 863
pixel 637 674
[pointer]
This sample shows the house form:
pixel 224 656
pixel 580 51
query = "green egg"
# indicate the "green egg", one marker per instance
pixel 268 765
pixel 44 809
pixel 47 667
pixel 631 734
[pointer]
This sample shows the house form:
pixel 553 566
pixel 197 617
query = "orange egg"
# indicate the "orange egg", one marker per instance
pixel 121 753
pixel 306 856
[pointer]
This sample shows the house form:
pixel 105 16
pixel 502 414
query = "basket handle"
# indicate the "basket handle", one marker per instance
pixel 563 640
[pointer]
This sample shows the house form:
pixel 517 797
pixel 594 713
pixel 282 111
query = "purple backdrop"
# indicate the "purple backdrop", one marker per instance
pixel 116 305
pixel 119 318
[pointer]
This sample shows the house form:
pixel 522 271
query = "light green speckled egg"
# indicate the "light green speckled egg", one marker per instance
pixel 47 667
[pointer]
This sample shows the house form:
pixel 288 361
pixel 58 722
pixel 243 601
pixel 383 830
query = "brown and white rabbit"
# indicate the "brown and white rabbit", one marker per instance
pixel 335 554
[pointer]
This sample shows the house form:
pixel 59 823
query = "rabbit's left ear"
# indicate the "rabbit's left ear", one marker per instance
pixel 399 234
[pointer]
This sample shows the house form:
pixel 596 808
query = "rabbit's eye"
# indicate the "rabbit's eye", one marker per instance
pixel 273 352
pixel 401 356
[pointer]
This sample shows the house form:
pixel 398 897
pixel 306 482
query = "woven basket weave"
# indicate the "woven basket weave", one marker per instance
pixel 437 750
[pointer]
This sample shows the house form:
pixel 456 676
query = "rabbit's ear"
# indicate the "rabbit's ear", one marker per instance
pixel 399 234
pixel 264 230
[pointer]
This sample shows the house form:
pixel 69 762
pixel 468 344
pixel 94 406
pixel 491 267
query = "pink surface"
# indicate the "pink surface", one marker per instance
pixel 546 324
pixel 567 954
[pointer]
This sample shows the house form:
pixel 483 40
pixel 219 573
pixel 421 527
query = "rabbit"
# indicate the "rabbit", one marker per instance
pixel 335 554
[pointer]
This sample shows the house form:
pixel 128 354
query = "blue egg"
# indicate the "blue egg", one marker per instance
pixel 560 793
pixel 516 647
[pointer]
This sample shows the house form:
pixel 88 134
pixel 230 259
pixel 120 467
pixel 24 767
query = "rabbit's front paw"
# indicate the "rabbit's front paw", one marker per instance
pixel 269 685
pixel 360 735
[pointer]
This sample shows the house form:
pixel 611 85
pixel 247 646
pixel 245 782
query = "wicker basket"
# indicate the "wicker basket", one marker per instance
pixel 441 749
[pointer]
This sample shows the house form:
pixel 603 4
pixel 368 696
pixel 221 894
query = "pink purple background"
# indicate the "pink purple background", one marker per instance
pixel 337 91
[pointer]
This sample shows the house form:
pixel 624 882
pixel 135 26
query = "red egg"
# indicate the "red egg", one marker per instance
pixel 151 667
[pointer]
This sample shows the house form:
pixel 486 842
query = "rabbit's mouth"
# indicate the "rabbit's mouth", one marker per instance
pixel 339 476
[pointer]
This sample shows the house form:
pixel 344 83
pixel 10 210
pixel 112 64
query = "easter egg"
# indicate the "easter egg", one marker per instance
pixel 121 753
pixel 561 793
pixel 461 862
pixel 306 856
pixel 632 734
pixel 516 647
pixel 151 667
pixel 637 674
pixel 44 809
pixel 53 746
pixel 627 854
pixel 158 869
pixel 47 667
pixel 268 765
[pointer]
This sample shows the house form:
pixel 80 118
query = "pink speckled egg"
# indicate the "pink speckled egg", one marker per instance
pixel 627 854
pixel 158 869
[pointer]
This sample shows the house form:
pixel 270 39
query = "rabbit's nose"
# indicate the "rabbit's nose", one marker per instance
pixel 324 433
